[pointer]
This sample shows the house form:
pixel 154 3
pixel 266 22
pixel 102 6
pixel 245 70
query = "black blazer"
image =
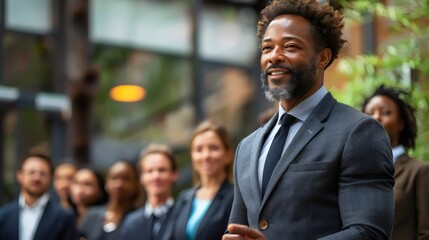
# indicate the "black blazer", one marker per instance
pixel 92 225
pixel 56 223
pixel 214 222
pixel 136 226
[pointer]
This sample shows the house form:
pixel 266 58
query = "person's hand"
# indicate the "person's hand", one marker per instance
pixel 242 232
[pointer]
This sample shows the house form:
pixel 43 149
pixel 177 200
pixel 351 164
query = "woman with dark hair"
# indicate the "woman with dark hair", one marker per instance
pixel 203 211
pixel 63 177
pixel 122 186
pixel 86 190
pixel 411 176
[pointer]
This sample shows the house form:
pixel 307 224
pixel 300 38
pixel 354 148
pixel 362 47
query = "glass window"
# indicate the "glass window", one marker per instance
pixel 228 34
pixel 29 15
pixel 160 26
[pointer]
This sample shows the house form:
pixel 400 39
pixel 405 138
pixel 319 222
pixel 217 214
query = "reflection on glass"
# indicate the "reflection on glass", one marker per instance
pixel 228 34
pixel 29 15
pixel 161 26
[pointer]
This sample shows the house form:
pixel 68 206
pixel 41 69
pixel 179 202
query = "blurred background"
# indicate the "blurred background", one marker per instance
pixel 94 81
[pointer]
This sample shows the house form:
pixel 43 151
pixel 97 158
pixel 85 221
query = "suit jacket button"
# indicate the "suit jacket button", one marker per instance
pixel 263 224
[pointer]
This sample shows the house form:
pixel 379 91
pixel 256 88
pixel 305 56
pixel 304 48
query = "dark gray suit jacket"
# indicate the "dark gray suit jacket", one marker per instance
pixel 92 225
pixel 335 180
pixel 56 223
pixel 214 222
pixel 136 226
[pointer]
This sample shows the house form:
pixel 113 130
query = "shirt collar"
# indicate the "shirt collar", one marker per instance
pixel 397 152
pixel 158 211
pixel 39 203
pixel 304 108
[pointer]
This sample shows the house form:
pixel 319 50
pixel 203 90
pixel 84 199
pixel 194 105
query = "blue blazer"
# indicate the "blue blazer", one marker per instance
pixel 56 223
pixel 136 226
pixel 214 222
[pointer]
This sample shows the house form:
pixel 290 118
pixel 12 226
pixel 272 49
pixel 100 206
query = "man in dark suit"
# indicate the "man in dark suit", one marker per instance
pixel 333 177
pixel 158 173
pixel 35 215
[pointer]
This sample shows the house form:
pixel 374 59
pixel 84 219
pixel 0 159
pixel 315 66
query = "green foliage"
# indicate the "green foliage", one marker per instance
pixel 401 62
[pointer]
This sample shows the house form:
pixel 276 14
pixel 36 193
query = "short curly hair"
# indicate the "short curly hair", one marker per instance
pixel 407 113
pixel 326 22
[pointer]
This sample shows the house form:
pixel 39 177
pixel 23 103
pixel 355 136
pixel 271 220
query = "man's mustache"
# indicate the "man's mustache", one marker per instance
pixel 288 68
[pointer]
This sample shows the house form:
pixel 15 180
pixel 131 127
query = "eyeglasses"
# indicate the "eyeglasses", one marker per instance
pixel 34 173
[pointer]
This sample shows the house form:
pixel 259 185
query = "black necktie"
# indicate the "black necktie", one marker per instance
pixel 276 149
pixel 155 225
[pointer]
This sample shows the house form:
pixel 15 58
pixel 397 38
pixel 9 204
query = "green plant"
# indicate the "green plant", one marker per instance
pixel 401 61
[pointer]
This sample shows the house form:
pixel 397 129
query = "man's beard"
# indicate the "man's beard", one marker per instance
pixel 301 81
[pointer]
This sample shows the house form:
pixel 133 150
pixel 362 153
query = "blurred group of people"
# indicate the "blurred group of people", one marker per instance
pixel 132 201
pixel 315 169
pixel 135 201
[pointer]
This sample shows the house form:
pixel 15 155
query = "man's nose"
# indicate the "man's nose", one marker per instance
pixel 277 55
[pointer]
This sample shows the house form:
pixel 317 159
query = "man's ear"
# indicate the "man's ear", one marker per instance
pixel 19 176
pixel 324 57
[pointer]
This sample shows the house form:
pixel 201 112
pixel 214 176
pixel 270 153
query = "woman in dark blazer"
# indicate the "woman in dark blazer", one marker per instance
pixel 203 211
pixel 86 190
pixel 122 186
pixel 411 176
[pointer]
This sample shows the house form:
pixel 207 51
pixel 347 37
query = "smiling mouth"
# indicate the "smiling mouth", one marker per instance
pixel 277 73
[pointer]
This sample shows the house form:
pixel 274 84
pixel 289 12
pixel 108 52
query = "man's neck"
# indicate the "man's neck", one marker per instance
pixel 157 201
pixel 289 104
pixel 30 199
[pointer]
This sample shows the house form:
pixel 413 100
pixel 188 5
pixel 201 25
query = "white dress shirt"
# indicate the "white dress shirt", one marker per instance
pixel 29 216
pixel 301 112
pixel 159 213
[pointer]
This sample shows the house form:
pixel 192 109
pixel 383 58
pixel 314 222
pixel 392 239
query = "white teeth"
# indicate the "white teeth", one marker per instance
pixel 277 73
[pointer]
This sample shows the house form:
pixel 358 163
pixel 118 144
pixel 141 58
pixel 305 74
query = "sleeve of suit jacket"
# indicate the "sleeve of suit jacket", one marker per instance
pixel 365 184
pixel 238 209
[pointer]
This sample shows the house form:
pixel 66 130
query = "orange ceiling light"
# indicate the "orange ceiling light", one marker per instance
pixel 127 93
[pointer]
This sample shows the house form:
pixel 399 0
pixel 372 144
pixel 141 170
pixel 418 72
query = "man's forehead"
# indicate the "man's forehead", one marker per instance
pixel 289 26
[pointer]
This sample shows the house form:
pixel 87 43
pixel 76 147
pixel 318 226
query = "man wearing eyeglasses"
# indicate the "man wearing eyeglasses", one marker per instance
pixel 35 215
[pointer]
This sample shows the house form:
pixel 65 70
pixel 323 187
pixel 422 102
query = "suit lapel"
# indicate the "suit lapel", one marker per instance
pixel 44 222
pixel 309 129
pixel 256 153
pixel 167 225
pixel 185 208
pixel 400 164
pixel 214 207
pixel 13 221
pixel 146 226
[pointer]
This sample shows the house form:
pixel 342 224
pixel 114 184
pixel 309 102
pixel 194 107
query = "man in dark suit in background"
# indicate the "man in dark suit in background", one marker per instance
pixel 35 215
pixel 158 173
pixel 333 174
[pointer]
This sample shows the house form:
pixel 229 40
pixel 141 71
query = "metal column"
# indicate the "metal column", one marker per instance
pixel 2 111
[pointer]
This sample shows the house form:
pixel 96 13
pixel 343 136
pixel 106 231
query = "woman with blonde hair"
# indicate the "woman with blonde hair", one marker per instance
pixel 203 211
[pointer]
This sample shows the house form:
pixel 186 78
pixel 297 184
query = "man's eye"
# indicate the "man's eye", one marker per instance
pixel 291 46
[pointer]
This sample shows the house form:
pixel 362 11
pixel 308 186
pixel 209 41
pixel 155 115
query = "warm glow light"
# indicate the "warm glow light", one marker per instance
pixel 127 93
